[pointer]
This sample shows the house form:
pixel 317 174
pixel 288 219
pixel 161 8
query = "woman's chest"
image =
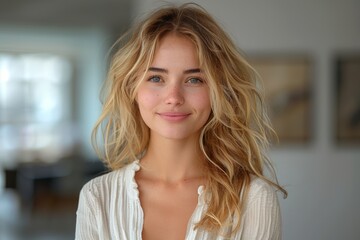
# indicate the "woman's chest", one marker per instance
pixel 167 211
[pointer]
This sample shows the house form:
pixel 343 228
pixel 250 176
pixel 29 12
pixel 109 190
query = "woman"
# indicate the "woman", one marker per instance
pixel 184 134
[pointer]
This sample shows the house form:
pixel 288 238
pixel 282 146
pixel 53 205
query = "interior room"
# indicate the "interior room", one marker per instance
pixel 53 60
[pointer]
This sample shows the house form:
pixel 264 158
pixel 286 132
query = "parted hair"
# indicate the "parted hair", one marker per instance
pixel 235 138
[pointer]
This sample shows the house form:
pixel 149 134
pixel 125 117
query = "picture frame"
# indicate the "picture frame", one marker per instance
pixel 347 91
pixel 287 84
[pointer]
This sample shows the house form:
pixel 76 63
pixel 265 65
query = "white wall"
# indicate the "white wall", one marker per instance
pixel 323 179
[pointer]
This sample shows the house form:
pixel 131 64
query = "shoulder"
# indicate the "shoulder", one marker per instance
pixel 261 191
pixel 103 201
pixel 109 182
pixel 106 179
pixel 261 218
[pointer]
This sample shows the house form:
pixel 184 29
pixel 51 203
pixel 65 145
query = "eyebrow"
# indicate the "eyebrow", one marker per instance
pixel 163 70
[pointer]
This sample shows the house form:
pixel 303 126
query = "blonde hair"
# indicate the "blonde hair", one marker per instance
pixel 234 138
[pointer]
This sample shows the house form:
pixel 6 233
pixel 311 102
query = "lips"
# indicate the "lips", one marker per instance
pixel 174 116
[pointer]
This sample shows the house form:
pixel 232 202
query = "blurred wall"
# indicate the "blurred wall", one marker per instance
pixel 322 178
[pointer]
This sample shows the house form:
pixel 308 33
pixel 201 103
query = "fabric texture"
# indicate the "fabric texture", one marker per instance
pixel 109 208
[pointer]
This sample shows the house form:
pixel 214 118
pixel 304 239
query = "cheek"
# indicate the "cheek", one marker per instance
pixel 146 99
pixel 203 102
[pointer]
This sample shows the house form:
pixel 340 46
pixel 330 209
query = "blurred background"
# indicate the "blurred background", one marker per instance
pixel 53 59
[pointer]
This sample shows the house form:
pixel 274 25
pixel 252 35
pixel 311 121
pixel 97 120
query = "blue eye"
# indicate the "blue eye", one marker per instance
pixel 154 79
pixel 195 80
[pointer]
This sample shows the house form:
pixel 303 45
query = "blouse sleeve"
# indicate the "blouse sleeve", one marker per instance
pixel 86 224
pixel 262 218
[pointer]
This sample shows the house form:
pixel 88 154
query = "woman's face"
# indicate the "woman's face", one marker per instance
pixel 173 98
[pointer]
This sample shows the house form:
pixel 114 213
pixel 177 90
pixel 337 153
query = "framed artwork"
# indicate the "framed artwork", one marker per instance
pixel 348 99
pixel 287 86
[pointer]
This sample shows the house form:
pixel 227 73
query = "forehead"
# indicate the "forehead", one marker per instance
pixel 175 49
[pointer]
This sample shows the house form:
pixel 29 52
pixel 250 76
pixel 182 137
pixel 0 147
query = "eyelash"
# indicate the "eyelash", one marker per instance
pixel 199 80
pixel 154 76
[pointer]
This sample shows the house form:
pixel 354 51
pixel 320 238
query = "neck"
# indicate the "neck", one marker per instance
pixel 172 160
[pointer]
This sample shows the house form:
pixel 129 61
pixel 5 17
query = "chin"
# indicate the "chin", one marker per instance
pixel 179 135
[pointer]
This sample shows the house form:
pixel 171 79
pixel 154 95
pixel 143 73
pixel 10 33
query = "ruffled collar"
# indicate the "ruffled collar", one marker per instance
pixel 130 172
pixel 131 169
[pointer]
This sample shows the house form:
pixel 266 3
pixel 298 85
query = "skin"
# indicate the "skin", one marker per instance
pixel 174 103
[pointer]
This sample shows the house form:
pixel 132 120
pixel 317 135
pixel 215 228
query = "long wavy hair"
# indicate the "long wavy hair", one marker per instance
pixel 235 138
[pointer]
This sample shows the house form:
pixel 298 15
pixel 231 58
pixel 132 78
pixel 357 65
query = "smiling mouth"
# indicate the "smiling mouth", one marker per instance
pixel 174 116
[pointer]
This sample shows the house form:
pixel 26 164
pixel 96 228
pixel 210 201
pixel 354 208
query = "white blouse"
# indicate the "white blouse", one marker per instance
pixel 109 208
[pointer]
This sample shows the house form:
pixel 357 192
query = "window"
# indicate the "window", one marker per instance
pixel 35 106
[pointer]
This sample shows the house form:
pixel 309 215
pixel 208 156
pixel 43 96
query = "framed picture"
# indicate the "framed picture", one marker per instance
pixel 348 99
pixel 287 86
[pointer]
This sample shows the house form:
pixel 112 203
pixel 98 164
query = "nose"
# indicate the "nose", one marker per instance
pixel 174 95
